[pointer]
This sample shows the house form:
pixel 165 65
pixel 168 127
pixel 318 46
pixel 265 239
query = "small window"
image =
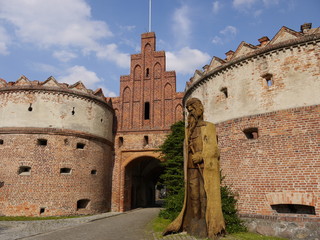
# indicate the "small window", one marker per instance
pixel 24 170
pixel 66 171
pixel 268 79
pixel 42 142
pixel 120 141
pixel 147 72
pixel 1 184
pixel 73 112
pixel 80 145
pixel 30 108
pixel 224 91
pixel 1 141
pixel 42 210
pixel 146 110
pixel 145 140
pixel 93 172
pixel 251 133
pixel 82 203
pixel 294 209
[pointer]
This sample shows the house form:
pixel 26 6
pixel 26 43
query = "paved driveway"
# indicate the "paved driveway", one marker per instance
pixel 130 225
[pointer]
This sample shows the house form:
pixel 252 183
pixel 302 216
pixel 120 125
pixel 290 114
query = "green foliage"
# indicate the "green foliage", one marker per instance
pixel 172 153
pixel 233 223
pixel 173 205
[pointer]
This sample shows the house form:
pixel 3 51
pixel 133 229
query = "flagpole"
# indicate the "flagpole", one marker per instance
pixel 149 15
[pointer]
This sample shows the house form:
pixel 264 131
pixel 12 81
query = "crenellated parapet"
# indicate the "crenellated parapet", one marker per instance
pixel 285 39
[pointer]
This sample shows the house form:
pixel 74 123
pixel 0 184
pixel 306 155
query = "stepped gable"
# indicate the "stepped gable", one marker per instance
pixel 285 34
pixel 243 49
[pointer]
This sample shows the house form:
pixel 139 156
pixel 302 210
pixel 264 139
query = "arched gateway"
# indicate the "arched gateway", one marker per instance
pixel 141 177
pixel 146 108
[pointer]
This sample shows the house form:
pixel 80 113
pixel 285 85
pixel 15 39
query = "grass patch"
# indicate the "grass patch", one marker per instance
pixel 22 218
pixel 159 224
pixel 250 236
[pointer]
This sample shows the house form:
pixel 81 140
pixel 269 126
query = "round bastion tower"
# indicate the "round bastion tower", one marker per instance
pixel 265 102
pixel 56 149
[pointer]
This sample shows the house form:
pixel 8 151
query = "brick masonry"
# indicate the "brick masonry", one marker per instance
pixel 146 108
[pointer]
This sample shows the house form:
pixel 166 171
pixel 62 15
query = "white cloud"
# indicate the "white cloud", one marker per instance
pixel 64 56
pixel 186 60
pixel 216 6
pixel 217 40
pixel 80 73
pixel 60 25
pixel 107 92
pixel 54 22
pixel 181 24
pixel 4 41
pixel 243 4
pixel 111 53
pixel 229 31
pixel 227 34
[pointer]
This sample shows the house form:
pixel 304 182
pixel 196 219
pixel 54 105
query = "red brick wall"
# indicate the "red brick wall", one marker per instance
pixel 46 187
pixel 148 82
pixel 281 166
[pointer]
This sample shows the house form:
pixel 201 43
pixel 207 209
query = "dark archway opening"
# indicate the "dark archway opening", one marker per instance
pixel 142 175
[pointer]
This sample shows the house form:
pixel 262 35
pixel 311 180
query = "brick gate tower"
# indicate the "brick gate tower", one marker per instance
pixel 146 108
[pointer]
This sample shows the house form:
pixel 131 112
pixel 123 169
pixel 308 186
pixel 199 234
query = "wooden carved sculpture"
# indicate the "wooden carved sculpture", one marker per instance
pixel 201 214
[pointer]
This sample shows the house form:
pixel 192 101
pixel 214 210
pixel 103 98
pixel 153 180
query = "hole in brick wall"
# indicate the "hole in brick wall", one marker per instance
pixel 1 141
pixel 145 140
pixel 1 184
pixel 120 141
pixel 146 110
pixel 73 112
pixel 94 172
pixel 224 90
pixel 101 120
pixel 66 141
pixel 24 170
pixel 80 145
pixel 82 203
pixel 30 107
pixel 294 209
pixel 147 72
pixel 65 170
pixel 42 142
pixel 42 210
pixel 251 133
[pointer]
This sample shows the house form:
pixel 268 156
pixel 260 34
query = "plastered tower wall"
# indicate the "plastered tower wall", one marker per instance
pixel 264 100
pixel 146 108
pixel 56 145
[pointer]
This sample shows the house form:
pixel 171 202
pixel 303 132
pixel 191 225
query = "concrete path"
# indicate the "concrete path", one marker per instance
pixel 130 225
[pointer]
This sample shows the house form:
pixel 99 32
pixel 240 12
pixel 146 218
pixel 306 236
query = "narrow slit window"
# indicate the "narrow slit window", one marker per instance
pixel 251 133
pixel 30 108
pixel 224 91
pixel 120 141
pixel 1 141
pixel 147 72
pixel 294 209
pixel 42 210
pixel 93 172
pixel 24 170
pixel 65 171
pixel 1 184
pixel 146 110
pixel 42 142
pixel 80 145
pixel 145 140
pixel 82 203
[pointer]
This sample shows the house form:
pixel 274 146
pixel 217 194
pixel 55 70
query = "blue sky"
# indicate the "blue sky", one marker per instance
pixel 91 40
